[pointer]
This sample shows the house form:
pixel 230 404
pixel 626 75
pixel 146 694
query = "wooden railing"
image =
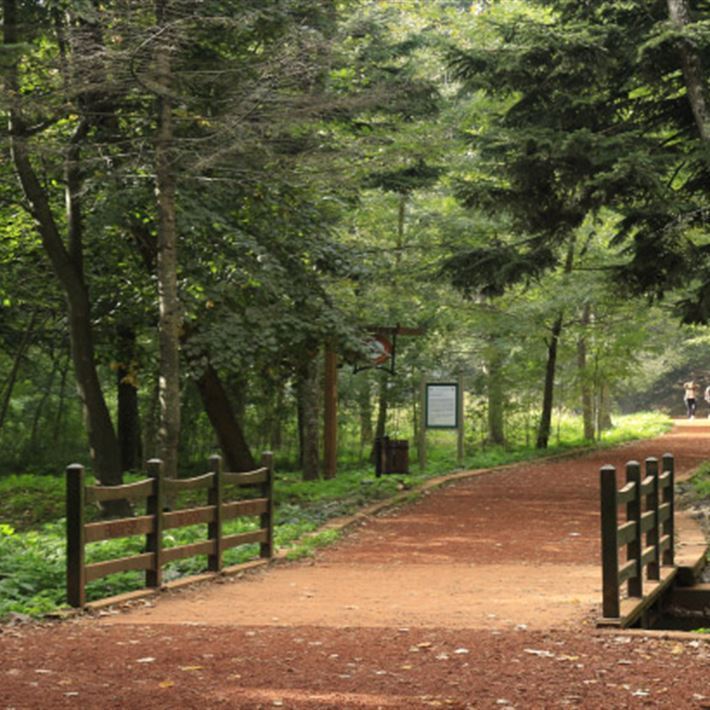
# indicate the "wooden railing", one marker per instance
pixel 646 532
pixel 155 490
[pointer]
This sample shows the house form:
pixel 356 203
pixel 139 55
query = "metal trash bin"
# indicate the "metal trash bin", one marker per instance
pixel 391 455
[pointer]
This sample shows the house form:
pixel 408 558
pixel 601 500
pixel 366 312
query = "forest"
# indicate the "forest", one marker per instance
pixel 204 206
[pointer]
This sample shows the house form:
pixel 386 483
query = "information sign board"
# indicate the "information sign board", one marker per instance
pixel 442 405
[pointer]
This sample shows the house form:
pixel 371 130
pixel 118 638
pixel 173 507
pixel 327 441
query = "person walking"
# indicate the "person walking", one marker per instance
pixel 690 397
pixel 706 397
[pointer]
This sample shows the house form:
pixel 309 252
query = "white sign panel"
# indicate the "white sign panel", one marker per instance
pixel 442 406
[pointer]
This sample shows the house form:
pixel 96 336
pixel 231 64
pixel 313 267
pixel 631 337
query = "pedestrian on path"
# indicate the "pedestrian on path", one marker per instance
pixel 690 397
pixel 706 397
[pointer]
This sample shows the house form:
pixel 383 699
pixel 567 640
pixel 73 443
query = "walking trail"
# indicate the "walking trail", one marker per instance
pixel 483 593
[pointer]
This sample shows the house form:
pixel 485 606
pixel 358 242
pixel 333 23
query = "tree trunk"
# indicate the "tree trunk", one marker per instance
pixel 34 432
pixel 57 430
pixel 496 392
pixel 364 402
pixel 545 426
pixel 382 406
pixel 274 424
pixel 309 395
pixel 604 422
pixel 693 73
pixel 66 265
pixel 585 385
pixel 330 413
pixel 129 429
pixel 14 370
pixel 543 432
pixel 169 304
pixel 226 425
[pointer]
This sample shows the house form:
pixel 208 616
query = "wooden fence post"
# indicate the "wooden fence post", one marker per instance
pixel 633 513
pixel 669 497
pixel 76 536
pixel 610 548
pixel 651 504
pixel 214 529
pixel 154 540
pixel 267 518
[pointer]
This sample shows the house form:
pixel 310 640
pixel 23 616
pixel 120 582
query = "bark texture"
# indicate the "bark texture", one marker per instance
pixel 308 398
pixel 168 300
pixel 693 73
pixel 495 392
pixel 585 386
pixel 221 414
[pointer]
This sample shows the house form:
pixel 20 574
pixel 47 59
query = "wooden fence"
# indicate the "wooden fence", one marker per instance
pixel 155 490
pixel 646 532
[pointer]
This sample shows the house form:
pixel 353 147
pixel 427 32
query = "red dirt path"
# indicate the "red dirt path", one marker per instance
pixel 482 594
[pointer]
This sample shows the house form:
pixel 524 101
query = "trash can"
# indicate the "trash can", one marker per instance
pixel 391 455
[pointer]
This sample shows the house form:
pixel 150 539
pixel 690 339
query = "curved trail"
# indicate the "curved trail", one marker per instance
pixel 517 546
pixel 482 594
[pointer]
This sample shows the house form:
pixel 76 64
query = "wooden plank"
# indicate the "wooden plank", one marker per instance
pixel 248 478
pixel 649 555
pixel 244 567
pixel 154 538
pixel 626 493
pixel 610 548
pixel 257 506
pixel 626 533
pixel 632 608
pixel 665 542
pixel 668 497
pixel 626 571
pixel 173 486
pixel 651 503
pixel 648 520
pixel 128 491
pixel 664 480
pixel 214 527
pixel 123 527
pixel 247 538
pixel 633 549
pixel 188 516
pixel 647 485
pixel 76 536
pixel 204 547
pixel 182 582
pixel 664 512
pixel 121 599
pixel 266 520
pixel 122 564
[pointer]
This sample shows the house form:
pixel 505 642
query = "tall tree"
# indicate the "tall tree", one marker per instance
pixel 66 257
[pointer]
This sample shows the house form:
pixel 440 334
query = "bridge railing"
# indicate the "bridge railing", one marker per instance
pixel 645 530
pixel 157 520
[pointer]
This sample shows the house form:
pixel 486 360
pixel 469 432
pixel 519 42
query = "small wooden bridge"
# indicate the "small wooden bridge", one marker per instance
pixel 645 537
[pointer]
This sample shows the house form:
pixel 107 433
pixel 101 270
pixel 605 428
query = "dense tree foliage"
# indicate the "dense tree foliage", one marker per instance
pixel 195 198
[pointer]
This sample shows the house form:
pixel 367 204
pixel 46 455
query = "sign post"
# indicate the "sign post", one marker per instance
pixel 443 409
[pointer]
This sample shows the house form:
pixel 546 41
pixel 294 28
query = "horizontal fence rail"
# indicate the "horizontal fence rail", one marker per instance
pixel 646 531
pixel 155 490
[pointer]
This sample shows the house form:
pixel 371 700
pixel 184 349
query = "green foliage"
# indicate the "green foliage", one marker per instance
pixel 701 481
pixel 30 500
pixel 308 545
